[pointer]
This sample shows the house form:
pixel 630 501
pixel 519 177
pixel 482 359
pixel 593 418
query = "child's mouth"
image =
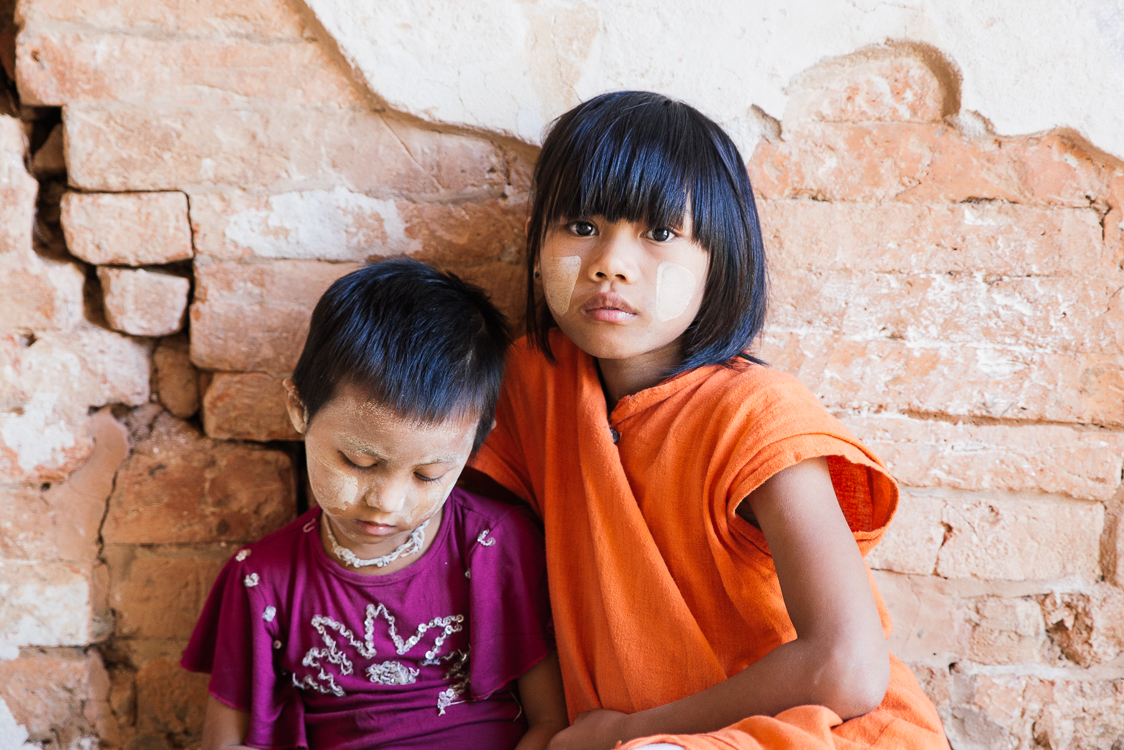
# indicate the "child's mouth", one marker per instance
pixel 608 307
pixel 376 529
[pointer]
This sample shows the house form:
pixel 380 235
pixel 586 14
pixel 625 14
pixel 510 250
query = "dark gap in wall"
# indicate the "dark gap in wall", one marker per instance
pixel 9 96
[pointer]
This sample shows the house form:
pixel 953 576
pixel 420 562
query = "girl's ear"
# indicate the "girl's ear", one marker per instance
pixel 298 415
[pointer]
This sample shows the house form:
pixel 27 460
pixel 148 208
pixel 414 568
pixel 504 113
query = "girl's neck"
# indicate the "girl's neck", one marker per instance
pixel 627 377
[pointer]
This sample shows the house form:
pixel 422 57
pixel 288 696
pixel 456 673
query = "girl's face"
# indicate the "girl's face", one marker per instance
pixel 376 476
pixel 622 290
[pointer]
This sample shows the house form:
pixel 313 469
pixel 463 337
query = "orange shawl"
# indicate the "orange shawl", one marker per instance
pixel 659 590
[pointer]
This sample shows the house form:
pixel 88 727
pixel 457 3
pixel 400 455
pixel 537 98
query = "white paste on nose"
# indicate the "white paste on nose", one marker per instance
pixel 675 286
pixel 558 280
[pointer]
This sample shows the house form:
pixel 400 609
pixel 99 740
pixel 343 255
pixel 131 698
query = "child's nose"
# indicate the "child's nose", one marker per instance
pixel 388 496
pixel 615 261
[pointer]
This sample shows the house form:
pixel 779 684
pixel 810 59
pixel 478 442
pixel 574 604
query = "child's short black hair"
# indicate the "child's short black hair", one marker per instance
pixel 643 157
pixel 419 341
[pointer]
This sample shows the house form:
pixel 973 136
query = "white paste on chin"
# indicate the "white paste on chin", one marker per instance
pixel 558 280
pixel 675 287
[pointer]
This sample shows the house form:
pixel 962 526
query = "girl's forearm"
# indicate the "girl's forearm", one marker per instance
pixel 794 674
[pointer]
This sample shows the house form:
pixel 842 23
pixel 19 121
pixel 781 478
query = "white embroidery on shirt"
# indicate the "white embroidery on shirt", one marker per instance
pixel 331 688
pixel 251 580
pixel 242 555
pixel 483 539
pixel 457 674
pixel 392 673
pixel 269 614
pixel 333 654
pixel 309 526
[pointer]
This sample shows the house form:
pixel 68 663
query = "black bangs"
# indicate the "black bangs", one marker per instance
pixel 641 157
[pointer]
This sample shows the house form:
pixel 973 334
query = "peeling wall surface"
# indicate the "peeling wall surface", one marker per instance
pixel 942 196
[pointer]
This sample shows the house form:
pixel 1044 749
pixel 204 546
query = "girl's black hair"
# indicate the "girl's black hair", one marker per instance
pixel 419 341
pixel 642 157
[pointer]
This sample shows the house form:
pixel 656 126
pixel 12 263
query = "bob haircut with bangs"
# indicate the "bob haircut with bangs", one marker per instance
pixel 642 157
pixel 421 342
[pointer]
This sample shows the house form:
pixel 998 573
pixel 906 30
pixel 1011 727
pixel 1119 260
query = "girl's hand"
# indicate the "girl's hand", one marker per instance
pixel 599 729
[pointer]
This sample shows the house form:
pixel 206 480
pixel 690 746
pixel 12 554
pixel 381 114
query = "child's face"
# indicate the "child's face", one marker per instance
pixel 376 476
pixel 620 290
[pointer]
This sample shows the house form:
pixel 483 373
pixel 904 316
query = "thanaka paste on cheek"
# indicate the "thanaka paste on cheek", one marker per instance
pixel 559 275
pixel 333 489
pixel 675 288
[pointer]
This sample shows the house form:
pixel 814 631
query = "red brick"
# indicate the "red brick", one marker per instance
pixel 1114 220
pixel 992 238
pixel 181 487
pixel 1037 314
pixel 127 229
pixel 46 603
pixel 144 303
pixel 279 148
pixel 247 406
pixel 170 701
pixel 47 694
pixel 47 389
pixel 1008 631
pixel 38 294
pixel 56 67
pixel 1081 463
pixel 255 317
pixel 467 233
pixel 266 18
pixel 505 284
pixel 17 189
pixel 954 379
pixel 913 538
pixel 177 380
pixel 924 163
pixel 158 592
pixel 932 621
pixel 63 522
pixel 885 84
pixel 993 536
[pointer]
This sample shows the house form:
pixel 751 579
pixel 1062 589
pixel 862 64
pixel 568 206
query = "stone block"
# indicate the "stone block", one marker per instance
pixel 158 592
pixel 48 385
pixel 127 229
pixel 247 406
pixel 883 84
pixel 17 189
pixel 144 303
pixel 216 18
pixel 1039 314
pixel 505 284
pixel 181 487
pixel 913 538
pixel 924 163
pixel 1008 631
pixel 1081 463
pixel 38 294
pixel 58 697
pixel 467 233
pixel 276 149
pixel 932 622
pixel 45 604
pixel 999 537
pixel 1088 626
pixel 255 317
pixel 1000 382
pixel 57 67
pixel 63 522
pixel 170 702
pixel 177 380
pixel 967 238
pixel 991 710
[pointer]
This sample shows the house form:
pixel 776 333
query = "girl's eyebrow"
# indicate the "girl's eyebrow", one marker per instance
pixel 359 446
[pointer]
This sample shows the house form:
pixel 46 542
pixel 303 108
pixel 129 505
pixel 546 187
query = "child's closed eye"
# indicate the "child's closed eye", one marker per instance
pixel 356 464
pixel 424 478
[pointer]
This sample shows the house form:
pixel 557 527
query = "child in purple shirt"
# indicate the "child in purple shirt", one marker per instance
pixel 402 612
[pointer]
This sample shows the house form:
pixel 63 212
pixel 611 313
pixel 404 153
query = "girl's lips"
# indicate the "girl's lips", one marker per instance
pixel 608 307
pixel 376 529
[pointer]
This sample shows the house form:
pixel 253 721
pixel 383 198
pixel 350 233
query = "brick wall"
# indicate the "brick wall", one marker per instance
pixel 180 181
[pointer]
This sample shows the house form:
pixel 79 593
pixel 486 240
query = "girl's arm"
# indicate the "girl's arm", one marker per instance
pixel 540 690
pixel 839 658
pixel 224 727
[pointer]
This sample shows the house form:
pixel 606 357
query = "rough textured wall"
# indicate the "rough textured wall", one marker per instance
pixel 180 180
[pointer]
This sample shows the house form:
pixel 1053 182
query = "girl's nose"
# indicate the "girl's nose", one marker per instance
pixel 387 496
pixel 615 260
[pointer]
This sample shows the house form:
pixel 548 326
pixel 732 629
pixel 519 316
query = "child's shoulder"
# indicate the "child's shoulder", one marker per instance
pixel 478 518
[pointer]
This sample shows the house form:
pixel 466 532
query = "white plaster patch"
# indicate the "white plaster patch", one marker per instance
pixel 44 604
pixel 36 435
pixel 559 275
pixel 13 736
pixel 675 287
pixel 321 225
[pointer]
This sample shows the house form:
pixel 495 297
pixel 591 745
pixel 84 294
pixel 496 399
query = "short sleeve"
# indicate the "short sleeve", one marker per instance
pixel 502 457
pixel 509 607
pixel 236 648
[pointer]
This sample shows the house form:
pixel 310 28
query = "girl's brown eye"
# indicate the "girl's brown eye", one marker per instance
pixel 582 228
pixel 662 234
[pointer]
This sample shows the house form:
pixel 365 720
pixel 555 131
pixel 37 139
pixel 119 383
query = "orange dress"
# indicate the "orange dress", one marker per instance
pixel 659 590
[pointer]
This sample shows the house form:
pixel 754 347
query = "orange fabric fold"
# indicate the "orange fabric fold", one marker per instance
pixel 659 590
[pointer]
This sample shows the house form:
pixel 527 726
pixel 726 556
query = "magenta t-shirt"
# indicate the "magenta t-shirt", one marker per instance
pixel 325 657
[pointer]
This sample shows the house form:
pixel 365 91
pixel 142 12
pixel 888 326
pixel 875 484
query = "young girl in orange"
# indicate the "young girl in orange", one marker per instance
pixel 705 517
